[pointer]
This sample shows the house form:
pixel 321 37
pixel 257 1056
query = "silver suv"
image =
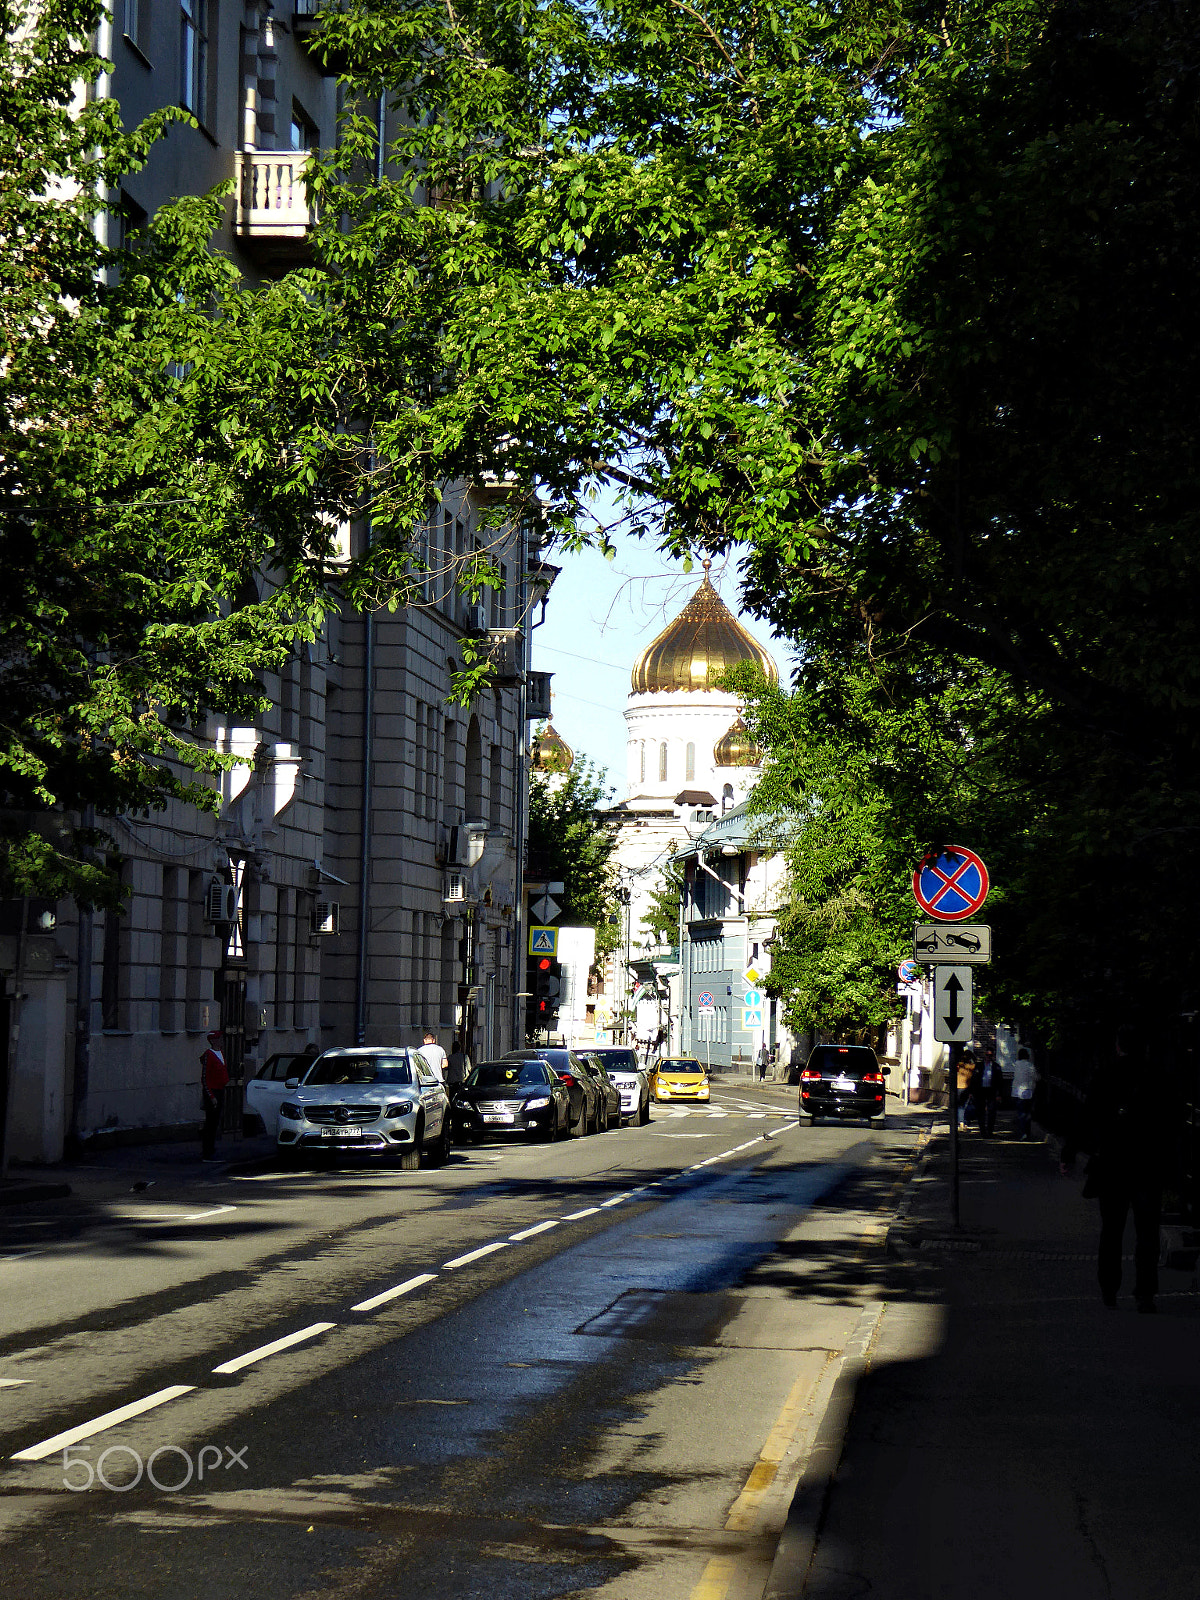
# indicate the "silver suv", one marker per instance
pixel 374 1100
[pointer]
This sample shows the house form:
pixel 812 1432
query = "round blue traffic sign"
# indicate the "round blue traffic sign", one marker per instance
pixel 908 972
pixel 951 886
pixel 705 1002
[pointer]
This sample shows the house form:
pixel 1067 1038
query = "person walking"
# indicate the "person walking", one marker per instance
pixel 1122 1126
pixel 1024 1081
pixel 459 1066
pixel 964 1073
pixel 214 1079
pixel 434 1055
pixel 986 1084
pixel 764 1061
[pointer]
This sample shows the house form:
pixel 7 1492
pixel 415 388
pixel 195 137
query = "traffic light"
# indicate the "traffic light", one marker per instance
pixel 547 986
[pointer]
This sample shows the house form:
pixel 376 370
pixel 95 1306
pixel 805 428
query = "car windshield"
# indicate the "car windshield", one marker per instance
pixel 849 1058
pixel 505 1074
pixel 681 1064
pixel 618 1060
pixel 344 1068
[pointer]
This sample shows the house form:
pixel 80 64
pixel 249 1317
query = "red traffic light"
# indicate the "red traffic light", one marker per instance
pixel 544 964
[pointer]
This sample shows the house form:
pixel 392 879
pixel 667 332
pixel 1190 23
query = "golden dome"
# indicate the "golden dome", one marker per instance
pixel 735 748
pixel 550 751
pixel 704 638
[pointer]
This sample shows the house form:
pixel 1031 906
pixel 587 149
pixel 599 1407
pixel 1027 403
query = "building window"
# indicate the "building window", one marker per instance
pixel 193 57
pixel 137 24
pixel 690 771
pixel 303 129
pixel 662 762
pixel 642 754
pixel 726 798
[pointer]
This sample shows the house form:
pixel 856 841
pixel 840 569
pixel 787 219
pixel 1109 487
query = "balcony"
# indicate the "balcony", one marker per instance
pixel 273 220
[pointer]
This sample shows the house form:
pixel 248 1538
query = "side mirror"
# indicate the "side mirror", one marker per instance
pixel 292 1083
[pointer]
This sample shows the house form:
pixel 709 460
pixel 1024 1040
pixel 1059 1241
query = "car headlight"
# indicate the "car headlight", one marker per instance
pixel 291 1111
pixel 538 1104
pixel 398 1108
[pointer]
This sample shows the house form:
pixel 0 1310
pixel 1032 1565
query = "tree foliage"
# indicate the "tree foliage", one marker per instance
pixel 660 924
pixel 567 843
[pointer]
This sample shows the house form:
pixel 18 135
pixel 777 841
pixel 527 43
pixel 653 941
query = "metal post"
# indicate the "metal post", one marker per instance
pixel 954 1050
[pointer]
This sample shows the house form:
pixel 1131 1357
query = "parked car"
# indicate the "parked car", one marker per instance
pixel 611 1095
pixel 268 1087
pixel 631 1079
pixel 679 1078
pixel 511 1097
pixel 371 1100
pixel 843 1080
pixel 581 1084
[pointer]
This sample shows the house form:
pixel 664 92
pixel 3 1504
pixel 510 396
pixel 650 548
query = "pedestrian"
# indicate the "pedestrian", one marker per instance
pixel 986 1084
pixel 764 1060
pixel 965 1071
pixel 1024 1081
pixel 1123 1127
pixel 434 1055
pixel 459 1066
pixel 214 1077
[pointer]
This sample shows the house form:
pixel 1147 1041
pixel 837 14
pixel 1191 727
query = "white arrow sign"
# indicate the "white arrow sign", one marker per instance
pixel 952 1005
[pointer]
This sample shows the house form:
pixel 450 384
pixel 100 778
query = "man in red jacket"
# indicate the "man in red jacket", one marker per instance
pixel 214 1075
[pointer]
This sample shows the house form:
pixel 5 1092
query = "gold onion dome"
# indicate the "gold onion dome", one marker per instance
pixel 735 748
pixel 551 752
pixel 704 638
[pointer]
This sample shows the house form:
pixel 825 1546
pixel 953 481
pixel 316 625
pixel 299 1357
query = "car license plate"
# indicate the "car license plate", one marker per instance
pixel 497 1116
pixel 340 1133
pixel 845 1085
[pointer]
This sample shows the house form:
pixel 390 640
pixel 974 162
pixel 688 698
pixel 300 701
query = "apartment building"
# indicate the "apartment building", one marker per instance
pixel 361 880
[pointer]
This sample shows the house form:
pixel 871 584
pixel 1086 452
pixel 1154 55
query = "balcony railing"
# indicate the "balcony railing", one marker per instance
pixel 273 213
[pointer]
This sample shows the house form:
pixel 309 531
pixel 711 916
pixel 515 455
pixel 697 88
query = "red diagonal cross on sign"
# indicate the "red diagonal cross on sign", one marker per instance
pixel 947 883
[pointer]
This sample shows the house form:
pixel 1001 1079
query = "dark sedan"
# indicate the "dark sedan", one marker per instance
pixel 581 1084
pixel 611 1095
pixel 511 1097
pixel 842 1080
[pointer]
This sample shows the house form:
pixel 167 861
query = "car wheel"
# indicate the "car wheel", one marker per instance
pixel 410 1160
pixel 594 1121
pixel 439 1151
pixel 644 1112
pixel 579 1127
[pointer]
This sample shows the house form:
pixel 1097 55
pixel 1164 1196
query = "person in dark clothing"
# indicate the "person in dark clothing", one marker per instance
pixel 1123 1128
pixel 986 1084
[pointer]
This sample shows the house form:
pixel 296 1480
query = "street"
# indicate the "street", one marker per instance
pixel 582 1368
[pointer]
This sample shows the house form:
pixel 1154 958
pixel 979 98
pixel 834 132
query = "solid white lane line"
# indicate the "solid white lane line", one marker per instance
pixel 574 1216
pixel 528 1233
pixel 181 1216
pixel 85 1430
pixel 475 1255
pixel 393 1294
pixel 265 1350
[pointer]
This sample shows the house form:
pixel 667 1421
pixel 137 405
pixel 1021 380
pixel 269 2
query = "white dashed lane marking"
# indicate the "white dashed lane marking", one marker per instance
pixel 275 1346
pixel 109 1419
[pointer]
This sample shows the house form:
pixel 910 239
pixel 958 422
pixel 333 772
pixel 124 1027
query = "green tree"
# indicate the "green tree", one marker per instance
pixel 661 921
pixel 568 843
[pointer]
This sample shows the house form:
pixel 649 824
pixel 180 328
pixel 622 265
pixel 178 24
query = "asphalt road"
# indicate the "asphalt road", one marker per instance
pixel 579 1369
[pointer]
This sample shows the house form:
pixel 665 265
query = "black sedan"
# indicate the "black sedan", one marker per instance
pixel 842 1080
pixel 610 1115
pixel 581 1084
pixel 511 1097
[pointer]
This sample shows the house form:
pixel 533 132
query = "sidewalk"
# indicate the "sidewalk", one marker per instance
pixel 1011 1439
pixel 100 1173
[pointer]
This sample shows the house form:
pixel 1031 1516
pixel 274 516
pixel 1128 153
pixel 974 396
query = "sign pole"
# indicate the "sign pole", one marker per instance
pixel 954 1050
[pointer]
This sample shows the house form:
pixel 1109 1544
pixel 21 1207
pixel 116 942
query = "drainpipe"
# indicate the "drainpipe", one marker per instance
pixel 368 724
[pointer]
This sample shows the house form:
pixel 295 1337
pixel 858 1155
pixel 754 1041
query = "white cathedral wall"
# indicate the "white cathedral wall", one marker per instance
pixel 696 717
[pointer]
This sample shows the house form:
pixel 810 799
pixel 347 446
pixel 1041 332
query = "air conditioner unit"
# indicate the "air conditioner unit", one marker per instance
pixel 326 917
pixel 476 616
pixel 221 902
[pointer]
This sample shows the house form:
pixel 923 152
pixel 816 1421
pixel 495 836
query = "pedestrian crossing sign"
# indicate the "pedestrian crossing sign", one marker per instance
pixel 543 941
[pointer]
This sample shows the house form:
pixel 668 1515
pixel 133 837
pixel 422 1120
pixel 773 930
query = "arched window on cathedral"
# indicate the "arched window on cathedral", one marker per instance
pixel 690 771
pixel 662 762
pixel 642 749
pixel 726 798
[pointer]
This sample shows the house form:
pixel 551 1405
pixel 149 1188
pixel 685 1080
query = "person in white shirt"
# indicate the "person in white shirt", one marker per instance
pixel 435 1055
pixel 1024 1081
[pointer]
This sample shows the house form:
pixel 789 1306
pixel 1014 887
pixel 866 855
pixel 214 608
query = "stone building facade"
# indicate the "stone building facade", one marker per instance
pixel 360 880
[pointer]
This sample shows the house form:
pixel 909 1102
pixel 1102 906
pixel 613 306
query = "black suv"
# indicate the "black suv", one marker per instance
pixel 842 1080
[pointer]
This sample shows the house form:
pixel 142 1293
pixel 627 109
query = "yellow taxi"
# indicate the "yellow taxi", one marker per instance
pixel 679 1078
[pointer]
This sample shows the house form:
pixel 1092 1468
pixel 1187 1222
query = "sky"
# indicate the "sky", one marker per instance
pixel 599 618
